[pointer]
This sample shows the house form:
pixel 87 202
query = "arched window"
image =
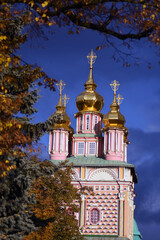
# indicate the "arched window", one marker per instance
pixel 80 123
pixel 87 123
pixel 96 122
pixel 95 216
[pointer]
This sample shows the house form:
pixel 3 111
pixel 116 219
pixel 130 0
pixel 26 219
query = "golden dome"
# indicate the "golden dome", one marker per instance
pixel 89 100
pixel 60 118
pixel 114 118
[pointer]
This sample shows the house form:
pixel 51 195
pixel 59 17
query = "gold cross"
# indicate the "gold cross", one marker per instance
pixel 119 99
pixel 60 86
pixel 65 99
pixel 114 85
pixel 91 58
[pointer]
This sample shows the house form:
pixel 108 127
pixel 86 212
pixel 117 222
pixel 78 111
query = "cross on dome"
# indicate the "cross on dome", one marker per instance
pixel 114 85
pixel 60 86
pixel 65 99
pixel 119 99
pixel 91 58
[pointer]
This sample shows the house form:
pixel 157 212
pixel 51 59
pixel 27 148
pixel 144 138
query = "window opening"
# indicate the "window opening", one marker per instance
pixel 87 123
pixel 95 215
pixel 92 148
pixel 81 148
pixel 80 123
pixel 96 122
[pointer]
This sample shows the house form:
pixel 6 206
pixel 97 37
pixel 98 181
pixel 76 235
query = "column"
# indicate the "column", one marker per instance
pixel 92 123
pixel 53 146
pixel 121 213
pixel 82 212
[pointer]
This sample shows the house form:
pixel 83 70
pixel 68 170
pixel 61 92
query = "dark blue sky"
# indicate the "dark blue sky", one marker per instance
pixel 63 57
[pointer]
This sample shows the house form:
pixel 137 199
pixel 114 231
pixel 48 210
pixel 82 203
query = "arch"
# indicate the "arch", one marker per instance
pixel 94 215
pixel 75 175
pixel 102 174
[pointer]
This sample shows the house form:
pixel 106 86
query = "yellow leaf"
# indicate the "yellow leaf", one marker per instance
pixel 31 3
pixel 37 19
pixel 44 15
pixel 45 3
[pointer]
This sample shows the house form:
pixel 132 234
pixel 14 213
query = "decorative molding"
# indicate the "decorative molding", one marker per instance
pixel 75 174
pixel 121 196
pixel 102 174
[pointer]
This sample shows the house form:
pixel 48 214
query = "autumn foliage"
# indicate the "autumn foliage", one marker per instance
pixel 18 92
pixel 57 202
pixel 37 200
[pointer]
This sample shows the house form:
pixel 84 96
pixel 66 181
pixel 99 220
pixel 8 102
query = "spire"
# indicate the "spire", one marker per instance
pixel 60 107
pixel 61 119
pixel 114 106
pixel 89 100
pixel 90 85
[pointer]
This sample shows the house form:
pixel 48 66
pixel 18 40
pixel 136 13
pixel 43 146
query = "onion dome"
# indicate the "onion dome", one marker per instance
pixel 89 100
pixel 60 117
pixel 114 118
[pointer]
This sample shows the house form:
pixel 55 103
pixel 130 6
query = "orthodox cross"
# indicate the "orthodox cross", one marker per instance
pixel 114 85
pixel 91 58
pixel 65 99
pixel 119 99
pixel 60 86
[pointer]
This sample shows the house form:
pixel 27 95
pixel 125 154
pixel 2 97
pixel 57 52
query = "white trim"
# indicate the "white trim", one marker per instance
pixel 49 148
pixel 104 143
pixel 57 141
pixel 77 125
pixel 122 137
pixel 125 152
pixel 83 123
pixel 119 141
pixel 112 140
pixel 116 138
pixel 109 141
pixel 53 144
pixel 75 150
pixel 92 123
pixel 66 143
pixel 60 141
pixel 86 148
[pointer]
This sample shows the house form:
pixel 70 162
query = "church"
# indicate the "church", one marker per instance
pixel 98 151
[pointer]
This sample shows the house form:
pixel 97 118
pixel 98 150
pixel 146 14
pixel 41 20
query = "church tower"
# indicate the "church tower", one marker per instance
pixel 99 158
pixel 61 131
pixel 88 138
pixel 115 133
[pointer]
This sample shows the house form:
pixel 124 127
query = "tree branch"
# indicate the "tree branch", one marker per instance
pixel 103 29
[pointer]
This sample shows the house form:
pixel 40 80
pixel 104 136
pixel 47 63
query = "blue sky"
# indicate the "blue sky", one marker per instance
pixel 63 57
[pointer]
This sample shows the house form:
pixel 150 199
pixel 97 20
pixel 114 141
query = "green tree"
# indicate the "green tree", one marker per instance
pixel 20 171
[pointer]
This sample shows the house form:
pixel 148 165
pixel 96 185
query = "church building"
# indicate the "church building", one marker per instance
pixel 98 151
